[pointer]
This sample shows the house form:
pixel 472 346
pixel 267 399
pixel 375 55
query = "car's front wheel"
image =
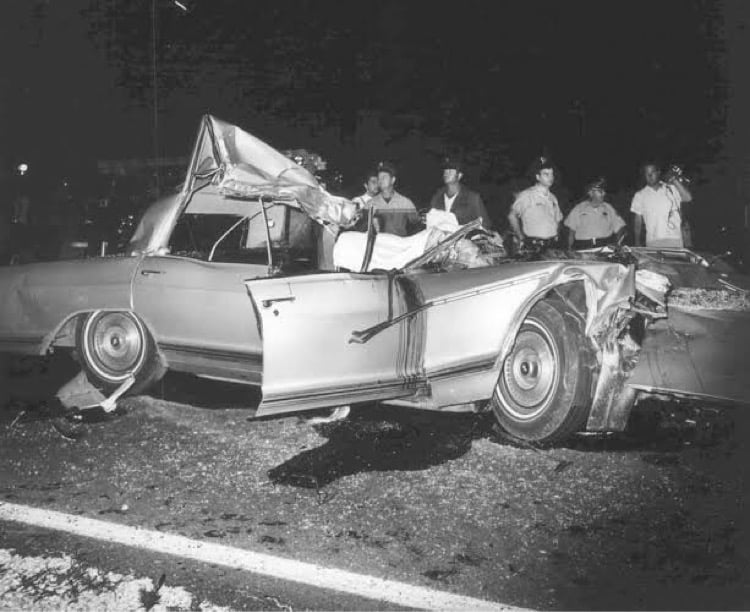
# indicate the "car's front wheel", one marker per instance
pixel 543 392
pixel 113 345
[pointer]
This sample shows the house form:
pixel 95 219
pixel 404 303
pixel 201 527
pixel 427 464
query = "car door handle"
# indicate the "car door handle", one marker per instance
pixel 150 272
pixel 267 303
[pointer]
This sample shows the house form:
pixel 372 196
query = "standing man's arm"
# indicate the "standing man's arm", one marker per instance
pixel 570 223
pixel 685 195
pixel 481 211
pixel 413 220
pixel 514 218
pixel 558 218
pixel 618 225
pixel 638 229
pixel 515 224
pixel 636 207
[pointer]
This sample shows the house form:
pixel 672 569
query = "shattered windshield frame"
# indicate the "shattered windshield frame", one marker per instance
pixel 271 234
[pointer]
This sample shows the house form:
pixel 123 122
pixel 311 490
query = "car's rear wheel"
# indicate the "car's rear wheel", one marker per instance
pixel 543 392
pixel 114 345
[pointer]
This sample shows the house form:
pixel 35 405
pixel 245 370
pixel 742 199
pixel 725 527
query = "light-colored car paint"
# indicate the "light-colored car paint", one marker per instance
pixel 37 298
pixel 425 338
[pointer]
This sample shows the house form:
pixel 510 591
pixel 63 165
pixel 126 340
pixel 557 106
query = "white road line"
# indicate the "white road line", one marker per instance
pixel 361 585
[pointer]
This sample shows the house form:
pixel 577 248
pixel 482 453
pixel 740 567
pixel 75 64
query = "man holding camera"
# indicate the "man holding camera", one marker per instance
pixel 657 207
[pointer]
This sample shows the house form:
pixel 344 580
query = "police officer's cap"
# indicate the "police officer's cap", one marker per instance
pixel 452 163
pixel 388 167
pixel 540 163
pixel 599 183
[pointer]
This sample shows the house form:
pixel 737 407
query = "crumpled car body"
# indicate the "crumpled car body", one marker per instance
pixel 702 348
pixel 220 280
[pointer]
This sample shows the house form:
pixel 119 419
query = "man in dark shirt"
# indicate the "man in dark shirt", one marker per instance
pixel 393 212
pixel 455 197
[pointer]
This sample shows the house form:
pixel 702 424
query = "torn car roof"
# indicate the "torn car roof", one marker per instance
pixel 229 164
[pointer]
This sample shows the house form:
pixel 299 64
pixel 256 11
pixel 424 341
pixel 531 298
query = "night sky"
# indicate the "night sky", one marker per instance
pixel 599 86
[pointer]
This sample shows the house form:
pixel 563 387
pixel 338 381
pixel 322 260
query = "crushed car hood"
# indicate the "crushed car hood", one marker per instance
pixel 702 346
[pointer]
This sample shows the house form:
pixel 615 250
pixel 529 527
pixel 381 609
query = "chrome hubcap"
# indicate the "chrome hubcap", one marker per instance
pixel 117 344
pixel 530 373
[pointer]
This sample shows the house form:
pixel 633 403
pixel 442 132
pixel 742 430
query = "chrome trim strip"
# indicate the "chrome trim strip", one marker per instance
pixel 21 339
pixel 255 358
pixel 472 367
pixel 307 400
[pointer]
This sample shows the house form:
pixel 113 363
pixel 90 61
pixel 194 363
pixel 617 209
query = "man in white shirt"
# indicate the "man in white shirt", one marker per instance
pixel 535 215
pixel 657 207
pixel 594 222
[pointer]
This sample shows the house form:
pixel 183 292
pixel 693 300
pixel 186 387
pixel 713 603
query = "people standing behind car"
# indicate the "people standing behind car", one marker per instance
pixel 458 199
pixel 535 215
pixel 393 213
pixel 657 207
pixel 594 222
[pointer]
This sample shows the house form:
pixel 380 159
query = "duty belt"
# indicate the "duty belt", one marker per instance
pixel 591 243
pixel 540 242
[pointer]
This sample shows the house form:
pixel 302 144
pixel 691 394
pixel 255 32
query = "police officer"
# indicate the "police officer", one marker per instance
pixel 535 215
pixel 594 222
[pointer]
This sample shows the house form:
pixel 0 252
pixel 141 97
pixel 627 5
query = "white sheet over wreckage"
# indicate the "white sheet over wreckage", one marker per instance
pixel 391 252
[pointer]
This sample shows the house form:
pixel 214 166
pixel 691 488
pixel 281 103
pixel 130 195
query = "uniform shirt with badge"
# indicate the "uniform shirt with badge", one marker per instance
pixel 589 221
pixel 539 212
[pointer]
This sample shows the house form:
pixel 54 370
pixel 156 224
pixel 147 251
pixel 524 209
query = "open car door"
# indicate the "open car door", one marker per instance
pixel 309 360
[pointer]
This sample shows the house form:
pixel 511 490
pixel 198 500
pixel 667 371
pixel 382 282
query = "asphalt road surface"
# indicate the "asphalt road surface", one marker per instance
pixel 420 505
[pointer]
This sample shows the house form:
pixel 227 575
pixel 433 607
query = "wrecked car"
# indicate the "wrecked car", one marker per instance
pixel 224 280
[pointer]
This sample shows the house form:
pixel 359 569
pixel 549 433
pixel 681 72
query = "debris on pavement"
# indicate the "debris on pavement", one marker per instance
pixel 710 299
pixel 56 583
pixel 80 394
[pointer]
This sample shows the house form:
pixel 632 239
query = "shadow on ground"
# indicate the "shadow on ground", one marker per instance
pixel 665 426
pixel 35 379
pixel 382 438
pixel 379 438
pixel 205 393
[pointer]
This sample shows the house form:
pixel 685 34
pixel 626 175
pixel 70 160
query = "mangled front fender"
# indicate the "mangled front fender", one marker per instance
pixel 699 353
pixel 700 346
pixel 610 292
